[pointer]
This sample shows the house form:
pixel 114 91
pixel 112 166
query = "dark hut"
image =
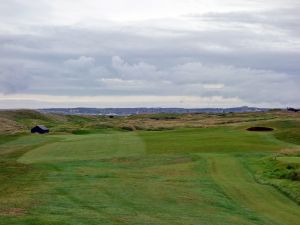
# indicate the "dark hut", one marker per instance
pixel 293 110
pixel 40 129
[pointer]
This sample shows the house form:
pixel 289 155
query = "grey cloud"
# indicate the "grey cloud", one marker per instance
pixel 285 19
pixel 81 63
pixel 233 47
pixel 189 79
pixel 142 59
pixel 141 70
pixel 16 15
pixel 13 79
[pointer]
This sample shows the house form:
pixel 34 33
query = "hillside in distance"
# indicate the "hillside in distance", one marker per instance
pixel 136 111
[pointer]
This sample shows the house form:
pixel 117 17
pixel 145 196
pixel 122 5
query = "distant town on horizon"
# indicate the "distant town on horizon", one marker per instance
pixel 149 110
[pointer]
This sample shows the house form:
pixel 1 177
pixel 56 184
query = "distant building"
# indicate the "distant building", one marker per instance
pixel 40 129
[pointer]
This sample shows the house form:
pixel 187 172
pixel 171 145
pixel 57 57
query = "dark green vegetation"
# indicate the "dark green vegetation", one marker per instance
pixel 188 169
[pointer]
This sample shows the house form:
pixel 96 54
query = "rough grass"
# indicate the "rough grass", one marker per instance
pixel 282 173
pixel 182 176
pixel 238 184
pixel 16 121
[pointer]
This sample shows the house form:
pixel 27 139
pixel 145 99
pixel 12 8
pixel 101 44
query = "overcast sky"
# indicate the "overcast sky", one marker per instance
pixel 158 53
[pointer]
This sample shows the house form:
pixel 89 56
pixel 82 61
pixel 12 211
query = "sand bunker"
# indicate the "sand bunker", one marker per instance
pixel 260 129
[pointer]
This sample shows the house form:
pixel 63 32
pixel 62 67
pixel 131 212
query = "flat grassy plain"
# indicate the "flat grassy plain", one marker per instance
pixel 214 174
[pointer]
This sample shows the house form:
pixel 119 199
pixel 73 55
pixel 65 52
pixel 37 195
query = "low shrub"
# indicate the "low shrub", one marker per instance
pixel 127 128
pixel 81 132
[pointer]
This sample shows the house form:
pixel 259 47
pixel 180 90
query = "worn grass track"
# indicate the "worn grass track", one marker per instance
pixel 238 184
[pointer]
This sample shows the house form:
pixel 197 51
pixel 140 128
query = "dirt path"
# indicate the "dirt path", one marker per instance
pixel 236 181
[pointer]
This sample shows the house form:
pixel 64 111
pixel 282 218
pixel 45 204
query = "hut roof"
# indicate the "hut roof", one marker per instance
pixel 42 127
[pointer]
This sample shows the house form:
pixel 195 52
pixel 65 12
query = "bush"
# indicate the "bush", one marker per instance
pixel 80 132
pixel 127 128
pixel 164 116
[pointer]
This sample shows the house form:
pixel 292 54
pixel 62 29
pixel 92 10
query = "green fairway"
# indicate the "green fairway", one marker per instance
pixel 87 147
pixel 219 139
pixel 181 176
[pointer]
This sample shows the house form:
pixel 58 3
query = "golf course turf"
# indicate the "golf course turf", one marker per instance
pixel 181 176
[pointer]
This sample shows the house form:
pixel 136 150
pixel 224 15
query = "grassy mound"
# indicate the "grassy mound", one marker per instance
pixel 19 121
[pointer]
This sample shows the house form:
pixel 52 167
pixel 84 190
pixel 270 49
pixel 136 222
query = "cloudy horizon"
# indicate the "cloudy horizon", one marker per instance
pixel 160 53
